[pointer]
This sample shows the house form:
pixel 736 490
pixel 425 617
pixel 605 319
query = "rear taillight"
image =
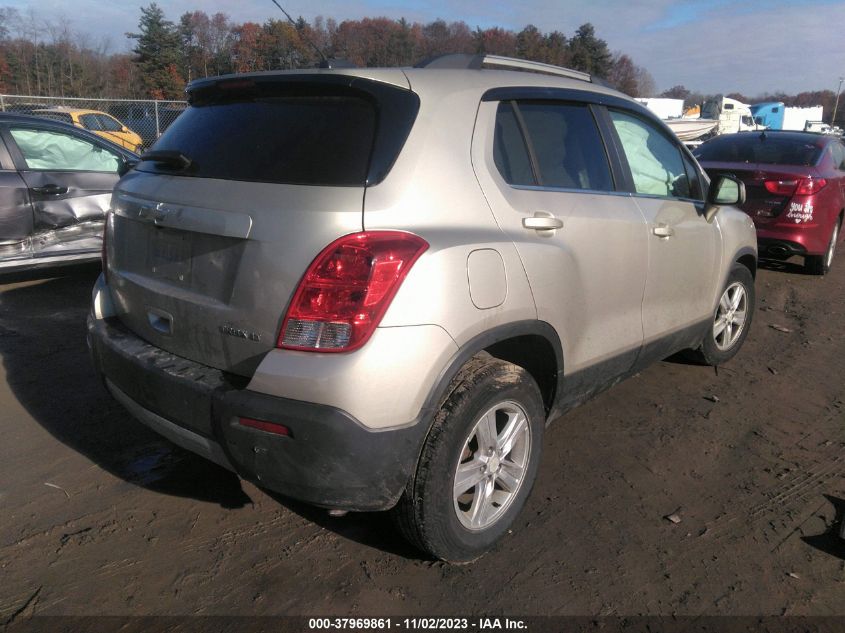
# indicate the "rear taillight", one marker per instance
pixel 781 187
pixel 799 187
pixel 809 186
pixel 347 289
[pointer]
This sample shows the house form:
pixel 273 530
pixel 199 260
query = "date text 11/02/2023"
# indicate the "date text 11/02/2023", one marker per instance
pixel 422 623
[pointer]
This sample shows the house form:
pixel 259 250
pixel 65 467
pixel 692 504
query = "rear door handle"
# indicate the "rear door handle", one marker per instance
pixel 542 221
pixel 663 230
pixel 50 190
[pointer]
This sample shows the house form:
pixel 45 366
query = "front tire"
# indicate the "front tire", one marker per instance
pixel 731 320
pixel 478 463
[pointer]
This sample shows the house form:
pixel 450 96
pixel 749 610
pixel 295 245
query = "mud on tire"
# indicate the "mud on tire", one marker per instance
pixel 726 333
pixel 497 471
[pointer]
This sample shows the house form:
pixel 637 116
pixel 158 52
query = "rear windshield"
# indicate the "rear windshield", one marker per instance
pixel 768 150
pixel 322 139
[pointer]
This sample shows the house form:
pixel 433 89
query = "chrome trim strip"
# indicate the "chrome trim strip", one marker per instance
pixel 33 261
pixel 603 193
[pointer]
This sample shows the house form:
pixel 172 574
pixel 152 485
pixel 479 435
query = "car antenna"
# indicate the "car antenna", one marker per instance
pixel 324 63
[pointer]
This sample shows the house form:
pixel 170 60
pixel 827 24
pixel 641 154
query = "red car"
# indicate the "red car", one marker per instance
pixel 795 189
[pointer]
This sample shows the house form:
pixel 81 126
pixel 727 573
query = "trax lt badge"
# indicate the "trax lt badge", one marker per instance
pixel 238 333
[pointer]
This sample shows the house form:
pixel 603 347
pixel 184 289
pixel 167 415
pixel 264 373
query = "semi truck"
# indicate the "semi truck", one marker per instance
pixel 774 115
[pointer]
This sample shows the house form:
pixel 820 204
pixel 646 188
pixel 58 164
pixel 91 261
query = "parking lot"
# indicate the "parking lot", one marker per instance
pixel 100 516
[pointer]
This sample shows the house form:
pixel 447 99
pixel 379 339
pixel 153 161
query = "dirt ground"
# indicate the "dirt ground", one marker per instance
pixel 99 516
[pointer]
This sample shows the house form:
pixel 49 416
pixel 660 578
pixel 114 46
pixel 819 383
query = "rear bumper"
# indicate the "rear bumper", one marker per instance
pixel 799 239
pixel 775 248
pixel 329 460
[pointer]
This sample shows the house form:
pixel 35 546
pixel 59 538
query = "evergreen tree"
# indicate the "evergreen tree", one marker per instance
pixel 158 56
pixel 589 53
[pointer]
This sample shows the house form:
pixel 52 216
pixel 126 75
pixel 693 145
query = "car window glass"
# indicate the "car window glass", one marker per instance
pixel 323 138
pixel 768 149
pixel 696 191
pixel 57 116
pixel 655 161
pixel 91 122
pixel 838 150
pixel 109 124
pixel 567 146
pixel 51 150
pixel 509 151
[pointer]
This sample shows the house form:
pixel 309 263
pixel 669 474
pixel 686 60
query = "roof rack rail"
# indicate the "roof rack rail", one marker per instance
pixel 476 62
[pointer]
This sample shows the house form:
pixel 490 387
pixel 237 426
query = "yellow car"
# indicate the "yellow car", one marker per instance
pixel 97 122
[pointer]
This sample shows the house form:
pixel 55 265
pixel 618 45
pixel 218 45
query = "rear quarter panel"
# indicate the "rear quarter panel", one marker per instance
pixel 432 191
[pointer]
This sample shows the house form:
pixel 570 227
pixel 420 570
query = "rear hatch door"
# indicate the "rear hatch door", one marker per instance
pixel 764 204
pixel 212 233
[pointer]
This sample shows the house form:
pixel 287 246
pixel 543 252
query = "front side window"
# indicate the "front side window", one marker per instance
pixel 553 144
pixel 655 161
pixel 57 151
pixel 696 190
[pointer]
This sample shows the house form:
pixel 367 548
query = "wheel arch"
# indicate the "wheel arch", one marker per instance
pixel 533 345
pixel 747 257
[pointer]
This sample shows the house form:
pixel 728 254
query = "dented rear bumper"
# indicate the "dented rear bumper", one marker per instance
pixel 328 459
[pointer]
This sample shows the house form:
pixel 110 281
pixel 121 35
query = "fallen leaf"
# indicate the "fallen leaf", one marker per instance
pixel 57 488
pixel 780 328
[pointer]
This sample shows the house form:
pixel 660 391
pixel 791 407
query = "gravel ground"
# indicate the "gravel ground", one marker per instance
pixel 99 516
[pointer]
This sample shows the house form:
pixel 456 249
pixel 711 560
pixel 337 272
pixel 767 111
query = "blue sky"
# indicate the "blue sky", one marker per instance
pixel 715 46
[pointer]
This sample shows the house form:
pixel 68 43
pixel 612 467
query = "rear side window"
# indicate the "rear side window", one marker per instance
pixel 561 140
pixel 57 116
pixel 768 149
pixel 656 163
pixel 296 139
pixel 509 151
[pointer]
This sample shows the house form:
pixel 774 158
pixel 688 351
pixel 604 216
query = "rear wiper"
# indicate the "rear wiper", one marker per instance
pixel 168 158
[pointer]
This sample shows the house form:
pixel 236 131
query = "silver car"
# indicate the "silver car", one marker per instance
pixel 370 289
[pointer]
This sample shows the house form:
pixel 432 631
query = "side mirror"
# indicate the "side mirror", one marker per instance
pixel 724 191
pixel 126 166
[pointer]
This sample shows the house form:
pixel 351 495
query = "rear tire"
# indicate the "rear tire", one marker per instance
pixel 731 320
pixel 478 463
pixel 820 264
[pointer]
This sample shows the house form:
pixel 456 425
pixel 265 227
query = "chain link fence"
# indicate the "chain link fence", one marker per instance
pixel 134 124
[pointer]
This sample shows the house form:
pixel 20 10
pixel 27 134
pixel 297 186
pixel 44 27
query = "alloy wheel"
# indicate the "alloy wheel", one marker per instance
pixel 492 467
pixel 730 316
